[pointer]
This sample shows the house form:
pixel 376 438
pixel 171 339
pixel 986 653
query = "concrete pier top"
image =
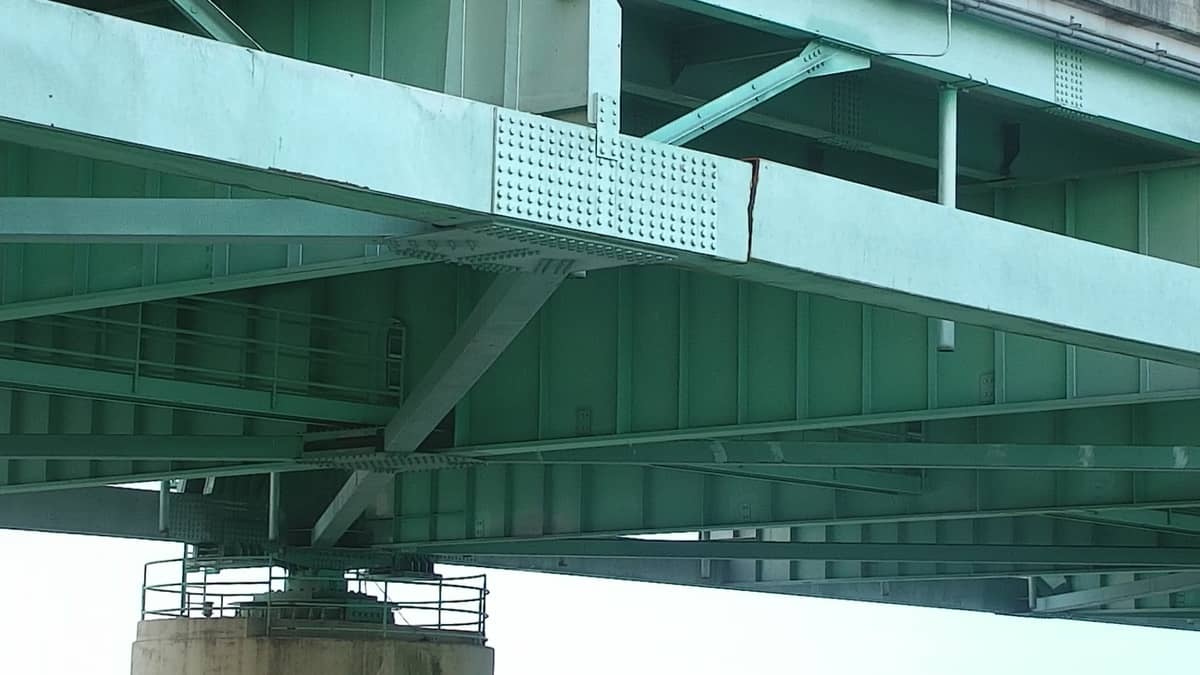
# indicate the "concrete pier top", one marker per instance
pixel 246 647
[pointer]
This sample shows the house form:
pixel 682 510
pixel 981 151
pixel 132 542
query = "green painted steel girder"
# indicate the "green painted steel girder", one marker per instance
pixel 688 572
pixel 735 454
pixel 178 221
pixel 124 512
pixel 446 141
pixel 215 448
pixel 156 390
pixel 761 550
pixel 94 285
pixel 1149 519
pixel 1124 94
pixel 554 501
pixel 786 576
pixel 37 475
pixel 1000 591
pixel 1122 592
pixel 1118 325
pixel 883 249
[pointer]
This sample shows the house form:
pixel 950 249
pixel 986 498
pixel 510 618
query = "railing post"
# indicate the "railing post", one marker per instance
pixel 183 597
pixel 441 585
pixel 164 506
pixel 386 603
pixel 145 580
pixel 483 607
pixel 270 583
pixel 273 515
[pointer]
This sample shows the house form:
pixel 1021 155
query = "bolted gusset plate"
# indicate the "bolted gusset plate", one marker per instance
pixel 496 247
pixel 557 173
pixel 389 462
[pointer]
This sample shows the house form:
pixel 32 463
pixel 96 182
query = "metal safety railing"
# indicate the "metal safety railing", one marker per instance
pixel 221 342
pixel 258 588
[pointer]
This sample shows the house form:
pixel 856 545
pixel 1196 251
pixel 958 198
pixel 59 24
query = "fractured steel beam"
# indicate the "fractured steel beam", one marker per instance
pixel 508 305
pixel 73 99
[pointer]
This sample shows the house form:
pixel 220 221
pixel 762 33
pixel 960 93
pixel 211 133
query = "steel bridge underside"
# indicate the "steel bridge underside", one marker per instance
pixel 365 281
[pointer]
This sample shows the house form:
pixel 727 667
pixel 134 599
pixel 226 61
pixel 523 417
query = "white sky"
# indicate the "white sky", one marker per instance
pixel 70 605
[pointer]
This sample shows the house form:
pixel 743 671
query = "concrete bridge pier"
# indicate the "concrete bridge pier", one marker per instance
pixel 245 646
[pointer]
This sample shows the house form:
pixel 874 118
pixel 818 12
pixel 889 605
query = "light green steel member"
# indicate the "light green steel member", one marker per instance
pixel 789 453
pixel 760 550
pixel 1123 592
pixel 817 59
pixel 213 20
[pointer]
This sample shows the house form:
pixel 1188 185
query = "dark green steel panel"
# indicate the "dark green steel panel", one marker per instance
pixel 835 363
pixel 655 377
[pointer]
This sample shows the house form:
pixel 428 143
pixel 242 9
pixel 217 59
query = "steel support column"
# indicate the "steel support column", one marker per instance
pixel 508 305
pixel 947 182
